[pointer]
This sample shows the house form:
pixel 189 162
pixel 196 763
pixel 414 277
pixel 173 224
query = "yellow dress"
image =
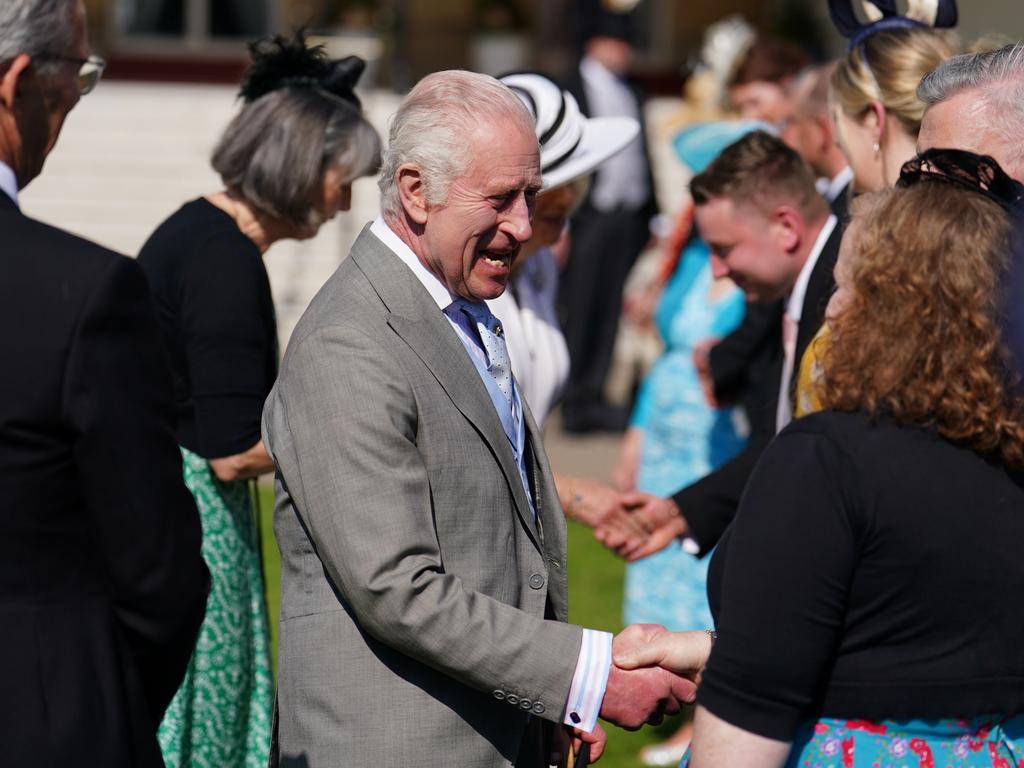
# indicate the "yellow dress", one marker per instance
pixel 808 399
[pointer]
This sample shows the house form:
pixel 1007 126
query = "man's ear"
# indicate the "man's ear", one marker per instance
pixel 788 228
pixel 10 77
pixel 412 193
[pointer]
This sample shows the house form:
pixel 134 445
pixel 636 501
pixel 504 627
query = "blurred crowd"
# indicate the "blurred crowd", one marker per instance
pixel 819 487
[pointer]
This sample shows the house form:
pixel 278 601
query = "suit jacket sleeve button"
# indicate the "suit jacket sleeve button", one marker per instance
pixel 538 708
pixel 525 704
pixel 536 581
pixel 499 695
pixel 512 699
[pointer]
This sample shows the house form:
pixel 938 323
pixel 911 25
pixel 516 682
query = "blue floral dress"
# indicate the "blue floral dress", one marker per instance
pixel 684 438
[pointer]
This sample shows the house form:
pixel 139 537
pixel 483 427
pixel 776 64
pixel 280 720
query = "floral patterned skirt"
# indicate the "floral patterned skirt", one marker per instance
pixel 220 717
pixel 983 742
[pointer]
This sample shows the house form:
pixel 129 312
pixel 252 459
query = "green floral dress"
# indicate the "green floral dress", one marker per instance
pixel 221 714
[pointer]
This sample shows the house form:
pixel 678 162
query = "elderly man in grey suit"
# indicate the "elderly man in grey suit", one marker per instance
pixel 423 583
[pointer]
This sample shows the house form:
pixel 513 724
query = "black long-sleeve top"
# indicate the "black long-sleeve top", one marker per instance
pixel 873 571
pixel 217 321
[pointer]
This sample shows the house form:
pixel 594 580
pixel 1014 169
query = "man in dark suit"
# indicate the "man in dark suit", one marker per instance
pixel 774 235
pixel 103 586
pixel 609 230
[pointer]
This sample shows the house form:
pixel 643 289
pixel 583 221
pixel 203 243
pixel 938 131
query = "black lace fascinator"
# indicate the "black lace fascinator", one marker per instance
pixel 884 15
pixel 280 62
pixel 978 173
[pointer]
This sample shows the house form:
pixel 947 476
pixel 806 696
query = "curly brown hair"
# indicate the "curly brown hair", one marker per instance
pixel 920 337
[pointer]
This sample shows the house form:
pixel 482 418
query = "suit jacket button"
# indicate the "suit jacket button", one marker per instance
pixel 538 708
pixel 536 581
pixel 512 699
pixel 525 704
pixel 499 695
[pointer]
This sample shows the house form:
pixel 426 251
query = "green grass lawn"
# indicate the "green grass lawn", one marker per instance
pixel 595 600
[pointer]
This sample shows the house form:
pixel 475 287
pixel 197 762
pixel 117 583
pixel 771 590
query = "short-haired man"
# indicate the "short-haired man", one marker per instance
pixel 810 131
pixel 423 545
pixel 772 233
pixel 103 584
pixel 976 102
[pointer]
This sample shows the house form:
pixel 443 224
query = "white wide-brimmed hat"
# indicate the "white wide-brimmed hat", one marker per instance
pixel 571 144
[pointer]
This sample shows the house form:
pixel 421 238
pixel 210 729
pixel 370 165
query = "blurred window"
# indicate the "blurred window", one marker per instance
pixel 195 20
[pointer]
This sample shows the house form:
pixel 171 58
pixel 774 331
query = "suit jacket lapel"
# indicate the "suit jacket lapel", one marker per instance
pixel 416 318
pixel 820 287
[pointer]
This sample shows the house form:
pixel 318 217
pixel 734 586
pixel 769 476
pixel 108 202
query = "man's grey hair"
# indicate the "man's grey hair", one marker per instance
pixel 38 28
pixel 277 149
pixel 434 125
pixel 997 79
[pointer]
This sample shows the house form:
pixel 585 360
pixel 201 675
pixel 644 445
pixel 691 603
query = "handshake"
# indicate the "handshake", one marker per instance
pixel 654 672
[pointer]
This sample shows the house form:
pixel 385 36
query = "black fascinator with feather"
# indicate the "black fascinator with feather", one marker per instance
pixel 280 62
pixel 884 15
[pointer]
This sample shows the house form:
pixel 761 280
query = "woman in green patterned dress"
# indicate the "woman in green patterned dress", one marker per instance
pixel 287 161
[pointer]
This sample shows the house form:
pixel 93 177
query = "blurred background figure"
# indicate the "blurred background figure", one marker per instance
pixel 674 435
pixel 810 131
pixel 287 161
pixel 759 88
pixel 609 230
pixel 102 586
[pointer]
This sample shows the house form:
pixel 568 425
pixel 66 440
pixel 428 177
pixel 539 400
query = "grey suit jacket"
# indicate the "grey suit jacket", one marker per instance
pixel 415 582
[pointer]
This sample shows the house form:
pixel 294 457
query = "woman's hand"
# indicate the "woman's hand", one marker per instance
pixel 685 653
pixel 251 463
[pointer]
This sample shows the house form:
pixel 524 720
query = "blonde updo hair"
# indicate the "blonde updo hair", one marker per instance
pixel 887 67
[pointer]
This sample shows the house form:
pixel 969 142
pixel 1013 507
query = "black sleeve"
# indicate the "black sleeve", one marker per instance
pixel 144 521
pixel 710 504
pixel 225 306
pixel 730 359
pixel 789 562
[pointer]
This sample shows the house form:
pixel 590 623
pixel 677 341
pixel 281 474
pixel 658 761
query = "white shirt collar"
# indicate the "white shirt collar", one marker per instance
pixel 437 290
pixel 596 73
pixel 9 183
pixel 838 183
pixel 795 305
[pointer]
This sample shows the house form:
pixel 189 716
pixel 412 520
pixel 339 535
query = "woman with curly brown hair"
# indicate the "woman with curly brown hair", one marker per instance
pixel 868 594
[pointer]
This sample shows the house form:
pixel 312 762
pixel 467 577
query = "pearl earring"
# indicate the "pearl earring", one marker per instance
pixel 877 148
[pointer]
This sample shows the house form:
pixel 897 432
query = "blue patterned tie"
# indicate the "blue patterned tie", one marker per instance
pixel 489 328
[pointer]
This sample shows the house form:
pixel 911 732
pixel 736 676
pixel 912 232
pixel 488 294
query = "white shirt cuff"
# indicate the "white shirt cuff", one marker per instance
pixel 589 681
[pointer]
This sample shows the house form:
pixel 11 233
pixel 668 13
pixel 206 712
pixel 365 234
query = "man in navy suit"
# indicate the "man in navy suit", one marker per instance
pixel 102 586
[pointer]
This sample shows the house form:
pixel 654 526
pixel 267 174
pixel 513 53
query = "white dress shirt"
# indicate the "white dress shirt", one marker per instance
pixel 837 184
pixel 795 309
pixel 594 662
pixel 9 183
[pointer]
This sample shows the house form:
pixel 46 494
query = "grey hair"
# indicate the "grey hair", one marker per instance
pixel 433 126
pixel 37 28
pixel 274 153
pixel 997 77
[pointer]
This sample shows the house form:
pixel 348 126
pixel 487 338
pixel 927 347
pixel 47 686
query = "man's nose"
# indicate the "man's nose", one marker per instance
pixel 517 220
pixel 719 268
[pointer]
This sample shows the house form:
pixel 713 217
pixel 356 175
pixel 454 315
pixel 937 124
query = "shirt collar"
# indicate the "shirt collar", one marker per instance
pixel 838 183
pixel 9 183
pixel 437 290
pixel 795 305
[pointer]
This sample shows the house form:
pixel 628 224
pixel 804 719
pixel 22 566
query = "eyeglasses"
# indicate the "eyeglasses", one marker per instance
pixel 90 70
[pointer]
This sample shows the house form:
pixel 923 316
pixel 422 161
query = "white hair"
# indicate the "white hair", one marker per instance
pixel 997 79
pixel 36 27
pixel 433 127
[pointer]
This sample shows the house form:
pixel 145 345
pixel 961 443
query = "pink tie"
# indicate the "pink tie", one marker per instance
pixel 784 414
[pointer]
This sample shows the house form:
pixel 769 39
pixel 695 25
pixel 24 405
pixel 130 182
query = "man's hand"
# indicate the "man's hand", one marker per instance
pixel 633 698
pixel 592 502
pixel 659 518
